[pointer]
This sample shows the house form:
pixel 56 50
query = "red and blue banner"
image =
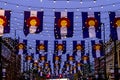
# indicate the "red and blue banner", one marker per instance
pixel 56 58
pixel 41 46
pixel 33 22
pixel 59 47
pixel 78 48
pixel 115 25
pixel 91 25
pixel 85 59
pixel 63 27
pixel 22 48
pixel 4 21
pixel 97 48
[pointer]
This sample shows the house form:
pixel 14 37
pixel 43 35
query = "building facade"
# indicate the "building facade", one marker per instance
pixel 10 61
pixel 105 65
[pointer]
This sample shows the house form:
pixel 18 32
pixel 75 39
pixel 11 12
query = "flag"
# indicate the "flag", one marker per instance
pixel 59 47
pixel 67 66
pixel 91 25
pixel 22 48
pixel 70 58
pixel 33 22
pixel 63 25
pixel 85 59
pixel 78 48
pixel 41 46
pixel 43 58
pixel 4 21
pixel 97 48
pixel 56 59
pixel 115 25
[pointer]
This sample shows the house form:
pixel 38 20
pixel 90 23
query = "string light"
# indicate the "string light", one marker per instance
pixel 17 6
pixel 68 1
pixel 77 9
pixel 53 9
pixel 65 9
pixel 5 3
pixel 81 2
pixel 41 0
pixel 54 1
pixel 90 8
pixel 41 9
pixel 113 5
pixel 101 6
pixel 94 1
pixel 29 8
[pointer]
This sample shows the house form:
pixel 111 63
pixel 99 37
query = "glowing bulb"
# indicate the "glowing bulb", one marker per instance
pixel 66 10
pixel 90 8
pixel 68 1
pixel 101 6
pixel 41 9
pixel 81 2
pixel 113 5
pixel 5 3
pixel 94 1
pixel 53 9
pixel 41 0
pixel 78 9
pixel 17 6
pixel 54 1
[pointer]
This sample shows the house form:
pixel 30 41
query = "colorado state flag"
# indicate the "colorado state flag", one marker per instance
pixel 63 25
pixel 22 48
pixel 91 25
pixel 78 48
pixel 4 21
pixel 97 49
pixel 115 25
pixel 41 46
pixel 59 47
pixel 33 22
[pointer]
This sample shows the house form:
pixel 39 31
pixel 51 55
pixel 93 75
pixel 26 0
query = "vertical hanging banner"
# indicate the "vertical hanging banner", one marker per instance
pixel 59 47
pixel 79 65
pixel 78 48
pixel 63 25
pixel 22 48
pixel 70 58
pixel 43 58
pixel 56 59
pixel 4 21
pixel 41 46
pixel 91 25
pixel 97 49
pixel 85 59
pixel 115 25
pixel 33 22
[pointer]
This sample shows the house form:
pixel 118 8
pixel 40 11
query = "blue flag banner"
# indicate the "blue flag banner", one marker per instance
pixel 59 47
pixel 70 58
pixel 91 25
pixel 63 25
pixel 4 21
pixel 85 59
pixel 115 25
pixel 97 48
pixel 56 58
pixel 41 46
pixel 33 22
pixel 78 48
pixel 43 58
pixel 22 48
